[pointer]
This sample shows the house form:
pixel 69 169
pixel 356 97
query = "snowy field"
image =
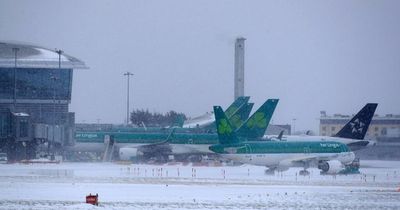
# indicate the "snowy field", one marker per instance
pixel 65 185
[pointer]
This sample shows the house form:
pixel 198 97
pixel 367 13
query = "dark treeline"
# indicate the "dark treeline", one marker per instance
pixel 171 118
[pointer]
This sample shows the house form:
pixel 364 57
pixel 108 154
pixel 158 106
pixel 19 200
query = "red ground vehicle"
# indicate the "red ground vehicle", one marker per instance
pixel 92 199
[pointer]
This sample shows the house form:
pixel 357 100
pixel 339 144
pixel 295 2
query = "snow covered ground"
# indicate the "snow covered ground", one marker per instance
pixel 65 185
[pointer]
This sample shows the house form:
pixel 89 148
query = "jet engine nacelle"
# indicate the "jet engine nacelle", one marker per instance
pixel 127 153
pixel 331 166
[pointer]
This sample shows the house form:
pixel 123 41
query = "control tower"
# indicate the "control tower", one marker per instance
pixel 239 68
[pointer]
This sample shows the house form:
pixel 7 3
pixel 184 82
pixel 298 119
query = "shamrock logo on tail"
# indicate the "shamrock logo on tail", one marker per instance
pixel 223 127
pixel 235 120
pixel 258 121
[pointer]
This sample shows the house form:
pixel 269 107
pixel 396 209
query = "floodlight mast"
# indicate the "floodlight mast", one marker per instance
pixel 54 78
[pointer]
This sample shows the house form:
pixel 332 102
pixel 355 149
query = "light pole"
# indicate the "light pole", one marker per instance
pixel 59 52
pixel 15 50
pixel 128 74
pixel 54 78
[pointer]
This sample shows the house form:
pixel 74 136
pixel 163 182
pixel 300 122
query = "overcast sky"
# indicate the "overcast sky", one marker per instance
pixel 312 55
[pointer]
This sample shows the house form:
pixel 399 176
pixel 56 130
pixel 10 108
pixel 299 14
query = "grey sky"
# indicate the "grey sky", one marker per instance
pixel 312 55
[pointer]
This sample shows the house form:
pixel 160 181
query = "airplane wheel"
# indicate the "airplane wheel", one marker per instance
pixel 304 173
pixel 195 158
pixel 269 172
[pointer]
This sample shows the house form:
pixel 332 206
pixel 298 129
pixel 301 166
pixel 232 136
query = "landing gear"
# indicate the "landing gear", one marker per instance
pixel 194 158
pixel 304 172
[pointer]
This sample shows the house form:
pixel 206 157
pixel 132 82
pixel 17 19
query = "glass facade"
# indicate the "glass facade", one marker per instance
pixel 36 83
pixel 5 124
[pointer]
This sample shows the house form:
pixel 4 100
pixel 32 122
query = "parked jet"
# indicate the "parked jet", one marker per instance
pixel 352 134
pixel 330 156
pixel 208 118
pixel 254 127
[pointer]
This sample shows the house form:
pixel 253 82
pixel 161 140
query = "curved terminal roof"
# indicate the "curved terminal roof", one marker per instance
pixel 31 56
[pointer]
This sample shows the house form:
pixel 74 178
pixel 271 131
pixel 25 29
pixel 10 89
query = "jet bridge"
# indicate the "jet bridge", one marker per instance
pixel 109 148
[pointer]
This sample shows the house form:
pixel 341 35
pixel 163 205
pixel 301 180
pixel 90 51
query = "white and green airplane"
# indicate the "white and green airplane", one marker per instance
pixel 207 120
pixel 352 134
pixel 329 156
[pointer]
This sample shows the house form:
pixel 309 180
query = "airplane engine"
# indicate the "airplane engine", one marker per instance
pixel 330 167
pixel 128 153
pixel 282 168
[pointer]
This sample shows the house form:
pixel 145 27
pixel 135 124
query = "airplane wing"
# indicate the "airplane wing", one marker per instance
pixel 158 147
pixel 161 147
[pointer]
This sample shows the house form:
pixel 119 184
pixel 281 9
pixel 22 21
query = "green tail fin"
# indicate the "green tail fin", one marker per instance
pixel 237 112
pixel 226 134
pixel 179 121
pixel 257 124
pixel 240 101
pixel 241 115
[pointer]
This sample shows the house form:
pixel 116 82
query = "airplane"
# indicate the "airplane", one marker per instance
pixel 329 156
pixel 194 144
pixel 208 118
pixel 180 142
pixel 131 145
pixel 352 134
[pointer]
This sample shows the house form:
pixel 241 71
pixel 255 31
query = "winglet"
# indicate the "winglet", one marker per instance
pixel 169 137
pixel 280 135
pixel 357 127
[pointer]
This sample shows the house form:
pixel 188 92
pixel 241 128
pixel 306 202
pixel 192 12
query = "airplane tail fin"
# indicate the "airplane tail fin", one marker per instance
pixel 357 127
pixel 226 134
pixel 241 115
pixel 257 124
pixel 240 101
pixel 179 121
pixel 280 135
pixel 246 111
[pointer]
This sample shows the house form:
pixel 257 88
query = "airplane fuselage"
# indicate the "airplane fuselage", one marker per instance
pixel 285 154
pixel 353 144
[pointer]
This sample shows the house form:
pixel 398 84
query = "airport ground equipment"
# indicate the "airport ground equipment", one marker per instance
pixel 92 199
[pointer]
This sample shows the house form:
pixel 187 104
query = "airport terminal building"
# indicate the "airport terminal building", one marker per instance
pixel 35 92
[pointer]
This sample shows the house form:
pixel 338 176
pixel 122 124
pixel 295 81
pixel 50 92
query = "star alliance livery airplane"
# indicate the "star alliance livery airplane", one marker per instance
pixel 352 134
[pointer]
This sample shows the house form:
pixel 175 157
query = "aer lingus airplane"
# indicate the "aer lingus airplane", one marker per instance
pixel 208 118
pixel 352 134
pixel 195 143
pixel 330 156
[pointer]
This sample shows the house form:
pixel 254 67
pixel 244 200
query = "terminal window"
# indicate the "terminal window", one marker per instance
pixel 36 83
pixel 23 128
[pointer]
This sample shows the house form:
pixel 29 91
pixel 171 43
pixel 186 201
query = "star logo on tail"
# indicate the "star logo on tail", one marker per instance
pixel 357 126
